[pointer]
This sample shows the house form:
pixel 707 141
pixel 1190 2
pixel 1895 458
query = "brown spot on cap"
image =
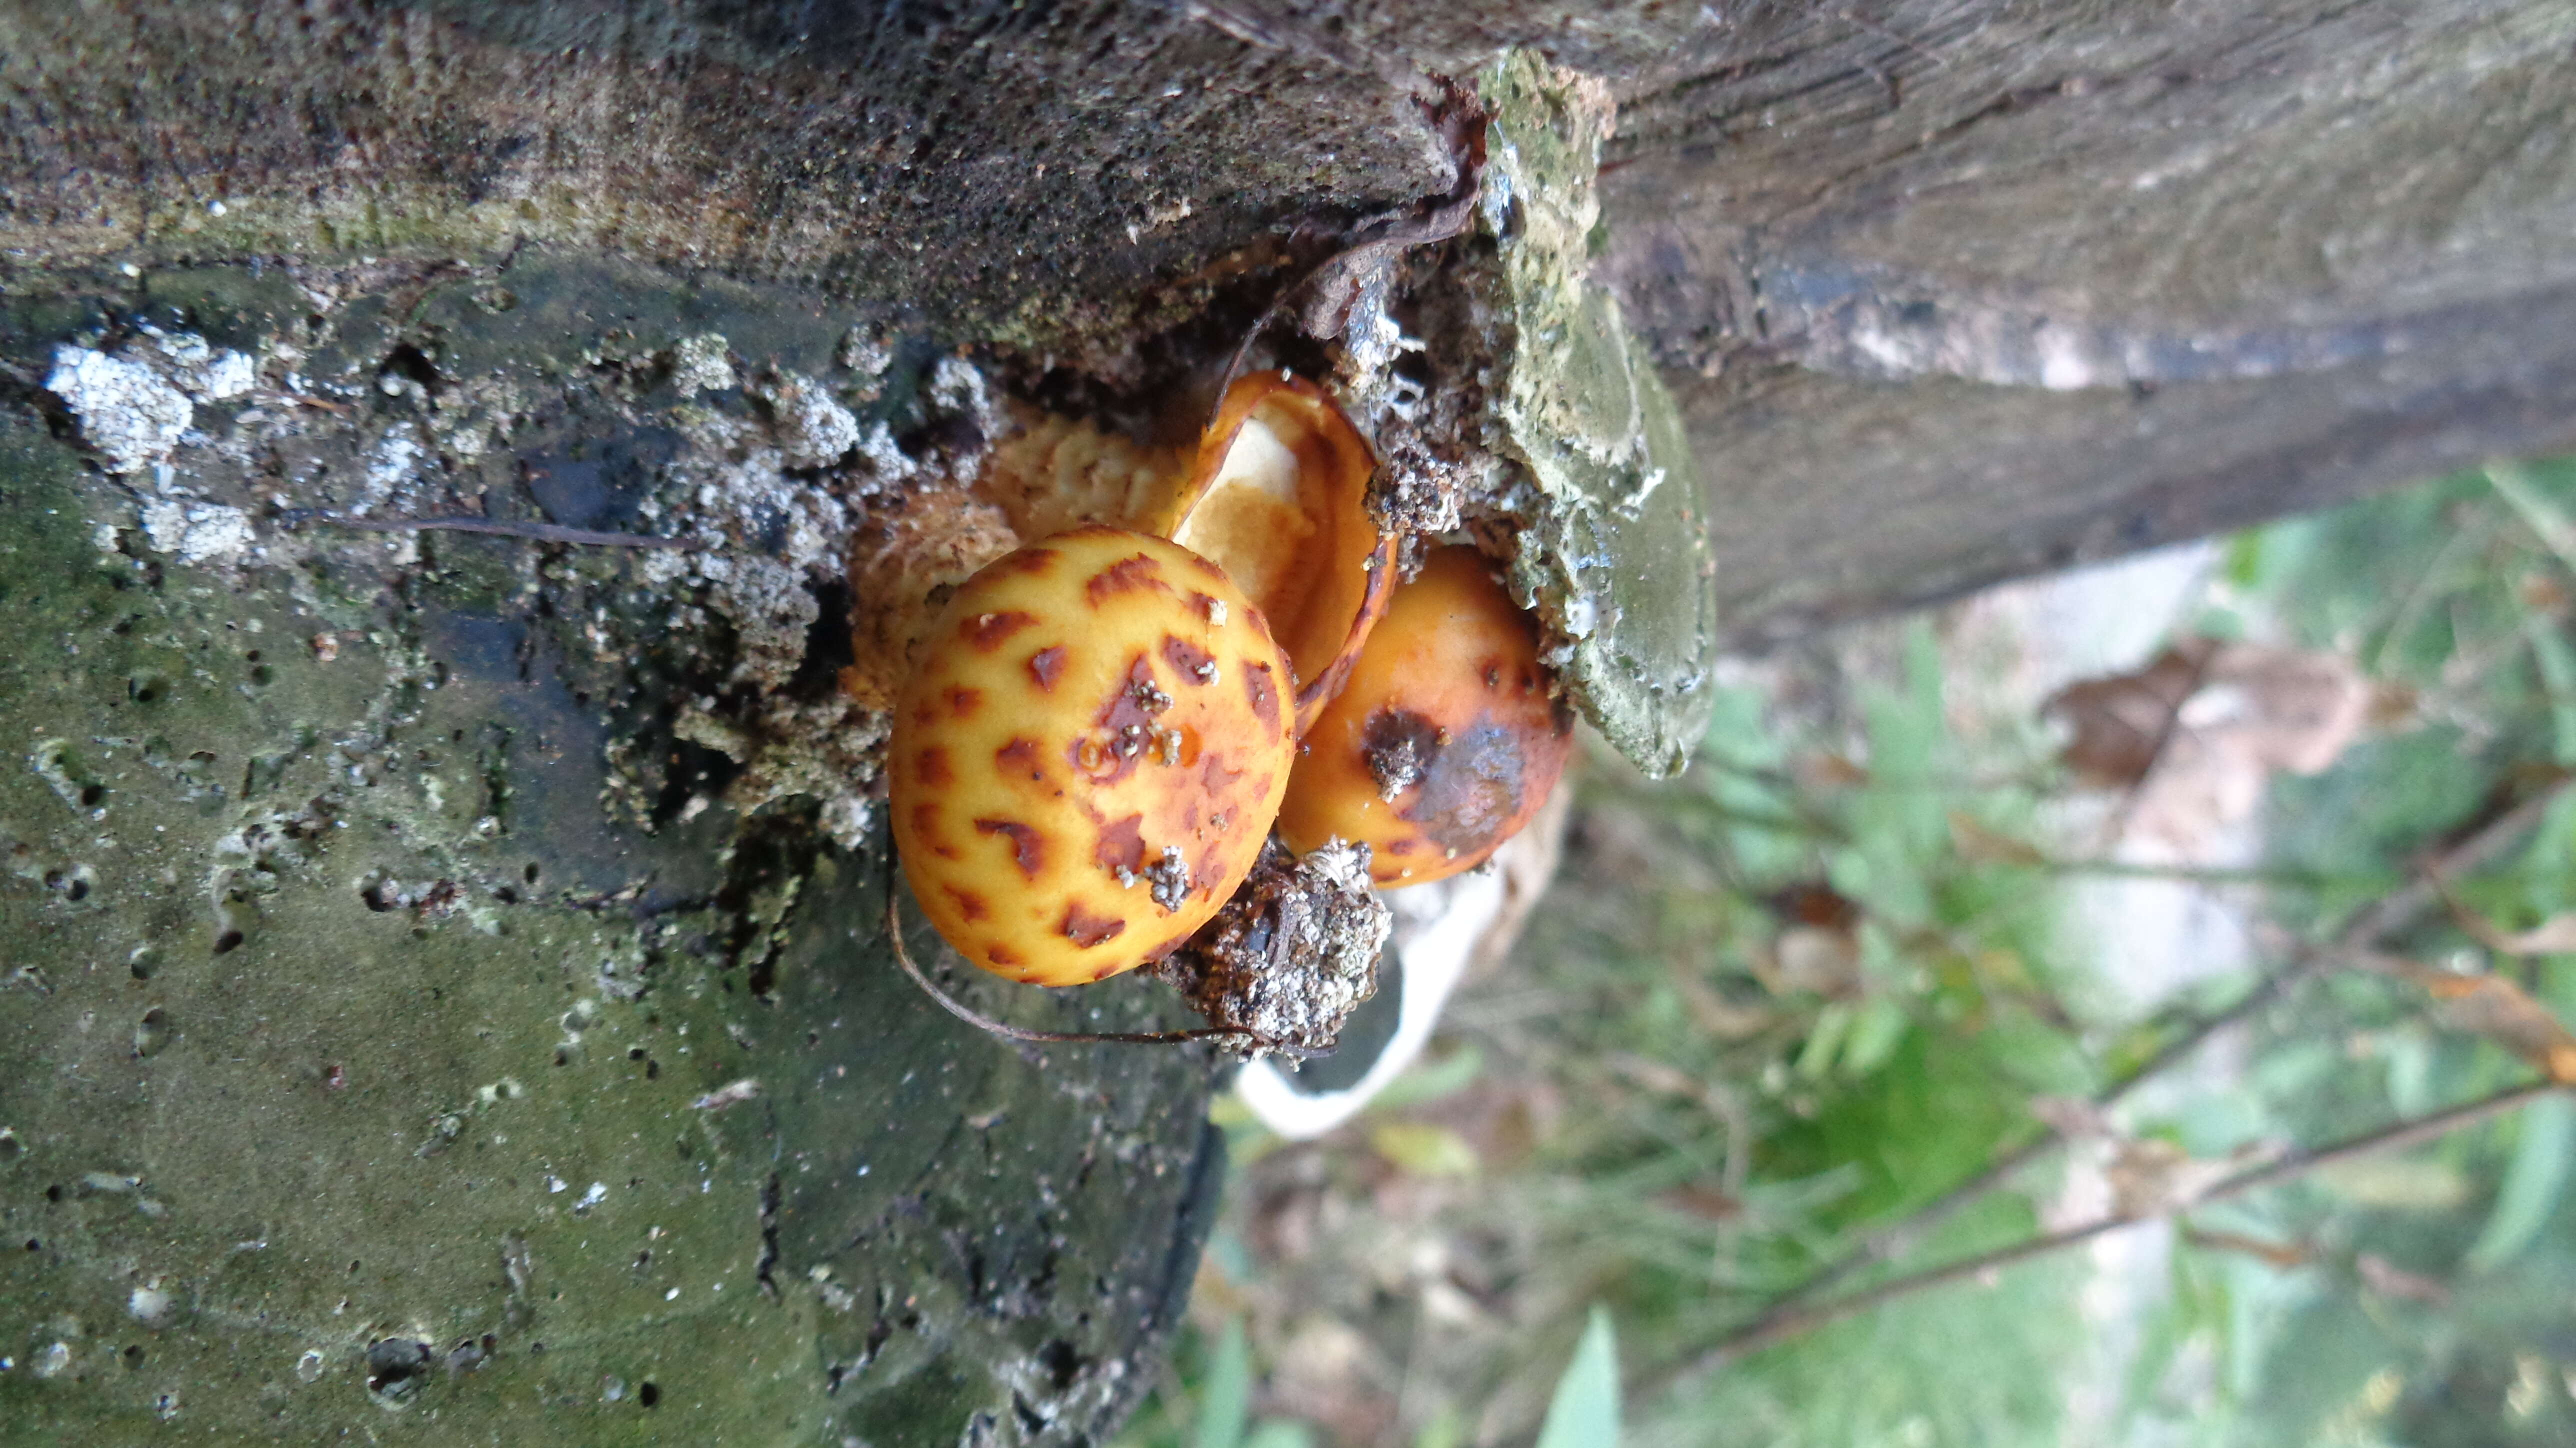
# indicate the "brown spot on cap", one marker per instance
pixel 930 768
pixel 962 701
pixel 925 824
pixel 1104 972
pixel 1127 574
pixel 1122 846
pixel 1209 869
pixel 1045 665
pixel 1471 789
pixel 1087 930
pixel 1398 747
pixel 969 905
pixel 1028 847
pixel 1264 693
pixel 1207 565
pixel 1027 560
pixel 1188 660
pixel 1217 777
pixel 1001 954
pixel 1125 727
pixel 988 631
pixel 1021 753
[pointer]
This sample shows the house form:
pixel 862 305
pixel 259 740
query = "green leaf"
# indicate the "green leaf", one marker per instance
pixel 2532 1183
pixel 1227 1399
pixel 1447 1429
pixel 1432 1079
pixel 1585 1411
pixel 1875 1033
pixel 1424 1150
pixel 1824 1040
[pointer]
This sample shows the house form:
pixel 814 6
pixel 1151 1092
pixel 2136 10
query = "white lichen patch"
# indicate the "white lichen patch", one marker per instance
pixel 199 368
pixel 813 429
pixel 149 1304
pixel 135 406
pixel 129 413
pixel 865 351
pixel 771 609
pixel 394 461
pixel 957 387
pixel 198 532
pixel 703 363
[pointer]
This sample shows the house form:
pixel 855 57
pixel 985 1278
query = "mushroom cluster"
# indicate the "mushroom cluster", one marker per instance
pixel 1096 733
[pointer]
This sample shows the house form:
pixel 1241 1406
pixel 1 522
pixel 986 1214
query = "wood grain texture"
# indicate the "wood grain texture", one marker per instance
pixel 1973 289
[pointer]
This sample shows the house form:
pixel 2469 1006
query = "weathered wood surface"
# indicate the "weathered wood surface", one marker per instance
pixel 1966 290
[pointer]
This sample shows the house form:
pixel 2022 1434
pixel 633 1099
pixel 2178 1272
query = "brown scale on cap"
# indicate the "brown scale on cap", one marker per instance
pixel 989 631
pixel 1123 576
pixel 1021 754
pixel 1028 847
pixel 1161 769
pixel 1121 846
pixel 1088 930
pixel 1445 740
pixel 931 770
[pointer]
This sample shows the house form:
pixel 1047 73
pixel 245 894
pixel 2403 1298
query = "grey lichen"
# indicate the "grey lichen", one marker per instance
pixel 1292 954
pixel 1616 556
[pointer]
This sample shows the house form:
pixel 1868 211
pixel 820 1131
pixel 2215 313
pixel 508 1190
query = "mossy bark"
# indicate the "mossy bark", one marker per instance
pixel 406 1038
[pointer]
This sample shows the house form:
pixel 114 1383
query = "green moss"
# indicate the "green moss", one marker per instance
pixel 331 990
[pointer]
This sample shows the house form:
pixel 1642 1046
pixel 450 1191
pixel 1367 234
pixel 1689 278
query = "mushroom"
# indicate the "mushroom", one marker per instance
pixel 1278 498
pixel 1087 760
pixel 1275 493
pixel 1446 739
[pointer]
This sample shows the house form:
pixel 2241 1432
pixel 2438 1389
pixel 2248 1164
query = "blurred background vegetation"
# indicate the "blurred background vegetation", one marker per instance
pixel 2060 905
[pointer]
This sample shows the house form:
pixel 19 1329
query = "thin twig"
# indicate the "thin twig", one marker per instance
pixel 2384 916
pixel 968 1014
pixel 534 532
pixel 1771 1329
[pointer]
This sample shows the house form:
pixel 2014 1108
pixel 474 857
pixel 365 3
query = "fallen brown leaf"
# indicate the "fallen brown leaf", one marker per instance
pixel 1706 1203
pixel 2388 1279
pixel 2284 1255
pixel 2122 721
pixel 2495 1007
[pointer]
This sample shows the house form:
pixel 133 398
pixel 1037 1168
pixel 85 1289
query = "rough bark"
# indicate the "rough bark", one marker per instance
pixel 1967 290
pixel 363 890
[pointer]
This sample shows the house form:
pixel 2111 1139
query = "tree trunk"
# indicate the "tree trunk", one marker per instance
pixel 445 974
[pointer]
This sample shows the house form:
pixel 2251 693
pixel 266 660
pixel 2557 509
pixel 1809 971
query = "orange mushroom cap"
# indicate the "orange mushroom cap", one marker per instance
pixel 1445 740
pixel 1089 756
pixel 1278 497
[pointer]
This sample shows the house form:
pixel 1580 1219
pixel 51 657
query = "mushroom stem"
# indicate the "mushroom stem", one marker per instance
pixel 972 1017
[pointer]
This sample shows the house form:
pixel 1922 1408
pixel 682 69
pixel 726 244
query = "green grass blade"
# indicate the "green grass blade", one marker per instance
pixel 1585 1411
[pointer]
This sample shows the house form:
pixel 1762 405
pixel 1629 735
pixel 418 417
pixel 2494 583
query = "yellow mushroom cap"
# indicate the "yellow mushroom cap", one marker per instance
pixel 1446 739
pixel 1278 497
pixel 1089 756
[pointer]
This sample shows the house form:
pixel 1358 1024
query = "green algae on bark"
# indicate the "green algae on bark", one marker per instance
pixel 411 1033
pixel 1617 555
